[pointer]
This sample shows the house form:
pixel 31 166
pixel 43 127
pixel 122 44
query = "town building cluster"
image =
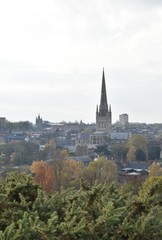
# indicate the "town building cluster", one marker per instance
pixel 81 139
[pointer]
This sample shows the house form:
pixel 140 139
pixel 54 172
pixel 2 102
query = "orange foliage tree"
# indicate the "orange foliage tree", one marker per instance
pixel 43 174
pixel 72 172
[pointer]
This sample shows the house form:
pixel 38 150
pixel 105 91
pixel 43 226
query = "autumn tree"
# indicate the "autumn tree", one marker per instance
pixel 155 169
pixel 131 154
pixel 43 175
pixel 72 172
pixel 58 162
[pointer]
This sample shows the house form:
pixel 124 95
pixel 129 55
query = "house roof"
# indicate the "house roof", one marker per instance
pixel 83 159
pixel 138 165
pixel 83 136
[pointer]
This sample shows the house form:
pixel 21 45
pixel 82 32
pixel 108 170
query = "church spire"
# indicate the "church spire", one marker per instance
pixel 110 108
pixel 103 101
pixel 103 114
pixel 97 109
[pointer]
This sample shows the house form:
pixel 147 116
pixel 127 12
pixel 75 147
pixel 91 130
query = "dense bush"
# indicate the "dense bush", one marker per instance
pixel 105 211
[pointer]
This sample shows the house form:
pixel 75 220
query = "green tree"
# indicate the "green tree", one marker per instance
pixel 19 153
pixel 102 150
pixel 120 151
pixel 140 155
pixel 49 150
pixel 137 142
pixel 154 153
pixel 2 159
pixel 19 126
pixel 58 162
pixel 150 193
pixel 101 170
pixel 18 192
pixel 103 211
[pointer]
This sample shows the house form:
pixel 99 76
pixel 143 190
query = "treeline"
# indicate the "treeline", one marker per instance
pixel 62 173
pixel 137 148
pixel 103 211
pixel 7 126
pixel 18 153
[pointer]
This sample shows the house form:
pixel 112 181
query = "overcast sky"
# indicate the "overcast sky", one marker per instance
pixel 52 53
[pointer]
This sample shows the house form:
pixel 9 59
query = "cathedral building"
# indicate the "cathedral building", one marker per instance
pixel 102 134
pixel 103 113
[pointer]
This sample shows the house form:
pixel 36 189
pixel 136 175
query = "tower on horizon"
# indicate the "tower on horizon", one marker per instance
pixel 38 121
pixel 103 113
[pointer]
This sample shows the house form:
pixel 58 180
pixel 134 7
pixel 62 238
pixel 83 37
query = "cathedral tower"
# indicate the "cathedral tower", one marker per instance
pixel 103 114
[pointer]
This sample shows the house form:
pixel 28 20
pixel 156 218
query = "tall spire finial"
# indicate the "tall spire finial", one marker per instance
pixel 103 101
pixel 97 109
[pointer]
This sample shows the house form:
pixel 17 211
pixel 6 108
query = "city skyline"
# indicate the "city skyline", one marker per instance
pixel 53 52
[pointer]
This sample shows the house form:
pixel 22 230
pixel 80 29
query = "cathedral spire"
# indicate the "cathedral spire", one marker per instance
pixel 103 114
pixel 110 108
pixel 97 109
pixel 103 101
